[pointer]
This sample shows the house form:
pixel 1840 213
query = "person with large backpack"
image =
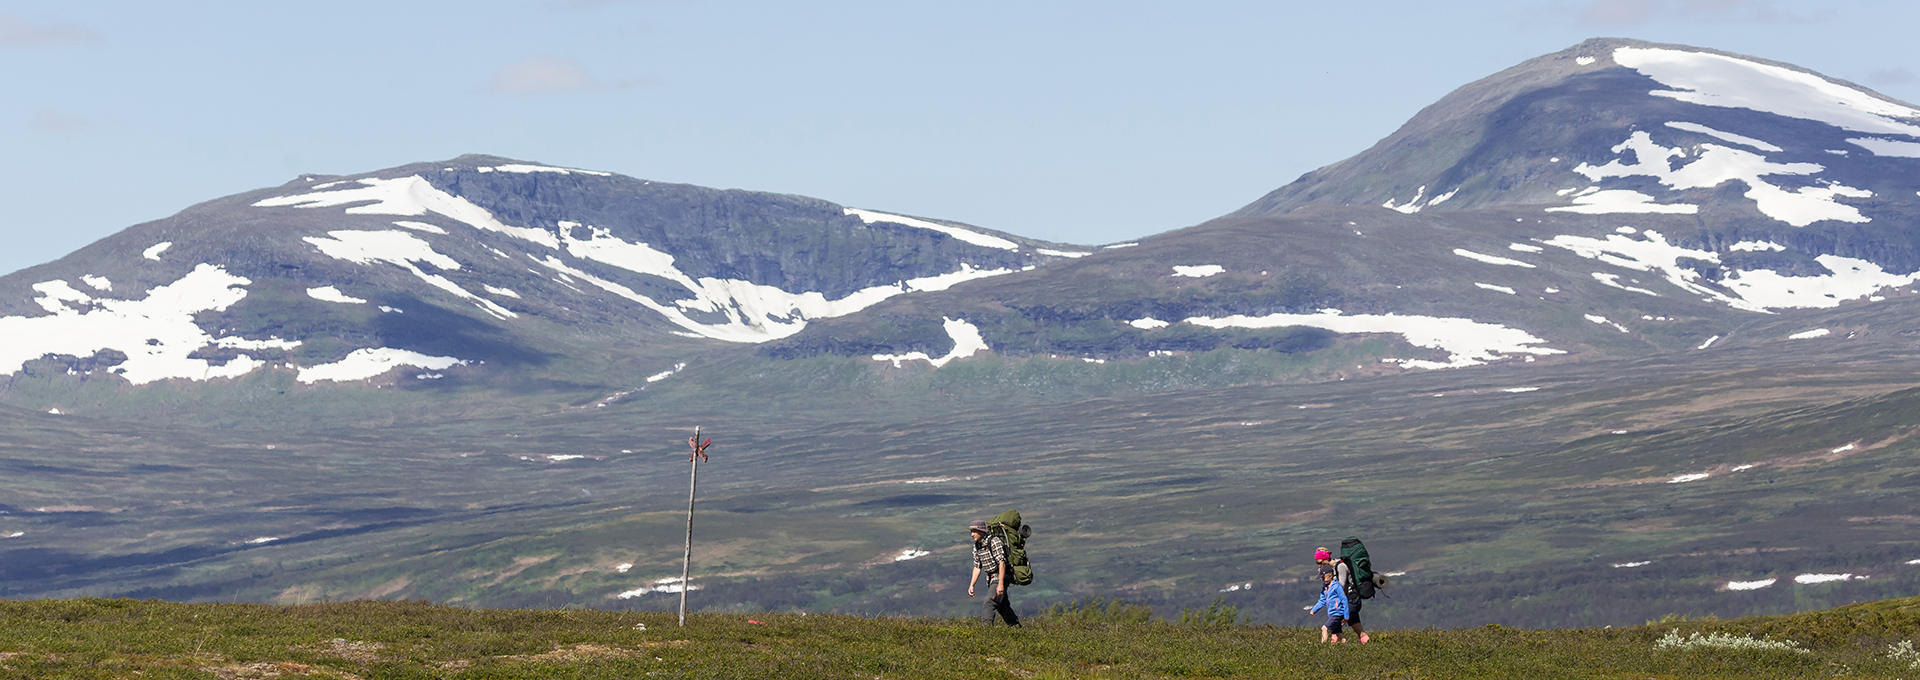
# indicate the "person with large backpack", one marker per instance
pixel 1353 570
pixel 990 555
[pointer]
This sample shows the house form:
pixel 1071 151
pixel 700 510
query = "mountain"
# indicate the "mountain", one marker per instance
pixel 480 270
pixel 1610 200
pixel 1625 305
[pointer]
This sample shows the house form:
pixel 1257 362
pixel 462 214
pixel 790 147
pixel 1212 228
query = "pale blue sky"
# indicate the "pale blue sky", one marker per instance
pixel 1087 122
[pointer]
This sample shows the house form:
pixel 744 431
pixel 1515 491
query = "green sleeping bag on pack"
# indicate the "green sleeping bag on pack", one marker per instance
pixel 1014 533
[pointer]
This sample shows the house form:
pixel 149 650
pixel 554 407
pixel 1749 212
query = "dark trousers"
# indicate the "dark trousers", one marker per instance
pixel 997 604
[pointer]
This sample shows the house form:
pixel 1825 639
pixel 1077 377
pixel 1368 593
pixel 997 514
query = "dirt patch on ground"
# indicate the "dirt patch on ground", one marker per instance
pixel 566 654
pixel 228 669
pixel 364 653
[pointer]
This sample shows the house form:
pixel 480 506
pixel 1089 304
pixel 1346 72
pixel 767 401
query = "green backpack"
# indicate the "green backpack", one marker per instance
pixel 1354 553
pixel 1008 527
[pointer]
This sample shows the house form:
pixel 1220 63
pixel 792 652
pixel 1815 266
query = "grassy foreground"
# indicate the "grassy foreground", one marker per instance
pixel 96 638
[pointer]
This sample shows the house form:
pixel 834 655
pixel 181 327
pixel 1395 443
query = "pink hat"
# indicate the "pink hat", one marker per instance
pixel 1322 555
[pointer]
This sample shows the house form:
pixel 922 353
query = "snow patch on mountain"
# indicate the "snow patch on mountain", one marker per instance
pixel 332 294
pixel 1604 322
pixel 1148 323
pixel 1414 205
pixel 1885 147
pixel 153 252
pixel 1466 342
pixel 1714 166
pixel 402 249
pixel 1724 136
pixel 99 283
pixel 1489 286
pixel 1198 271
pixel 973 237
pixel 1759 290
pixel 1613 281
pixel 420 226
pixel 369 362
pixel 1728 82
pixel 967 342
pixel 1490 259
pixel 1852 279
pixel 408 196
pixel 1060 253
pixel 1756 246
pixel 157 333
pixel 753 312
pixel 1809 335
pixel 1622 201
pixel 526 169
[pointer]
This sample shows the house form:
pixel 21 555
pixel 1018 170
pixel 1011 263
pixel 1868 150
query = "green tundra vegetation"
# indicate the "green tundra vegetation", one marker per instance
pixel 1090 637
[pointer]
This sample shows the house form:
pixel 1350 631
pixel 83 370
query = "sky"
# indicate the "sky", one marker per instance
pixel 1079 122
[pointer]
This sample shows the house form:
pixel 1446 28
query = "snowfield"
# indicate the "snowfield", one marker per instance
pixel 1466 342
pixel 1198 271
pixel 402 249
pixel 1715 165
pixel 1490 259
pixel 409 196
pixel 752 312
pixel 1722 81
pixel 967 342
pixel 157 332
pixel 369 362
pixel 525 169
pixel 969 236
pixel 1758 290
pixel 332 294
pixel 748 312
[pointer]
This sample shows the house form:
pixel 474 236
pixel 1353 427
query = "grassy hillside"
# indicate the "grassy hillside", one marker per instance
pixel 96 638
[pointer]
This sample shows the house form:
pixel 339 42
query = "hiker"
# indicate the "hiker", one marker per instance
pixel 990 556
pixel 1343 574
pixel 1334 599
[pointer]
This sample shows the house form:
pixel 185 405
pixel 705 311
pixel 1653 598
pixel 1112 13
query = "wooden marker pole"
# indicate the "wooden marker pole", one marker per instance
pixel 693 479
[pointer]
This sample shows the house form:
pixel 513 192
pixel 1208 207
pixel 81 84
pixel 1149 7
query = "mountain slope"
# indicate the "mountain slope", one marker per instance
pixel 1607 201
pixel 537 272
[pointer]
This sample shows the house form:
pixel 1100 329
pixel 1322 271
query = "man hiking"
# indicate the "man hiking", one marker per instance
pixel 990 556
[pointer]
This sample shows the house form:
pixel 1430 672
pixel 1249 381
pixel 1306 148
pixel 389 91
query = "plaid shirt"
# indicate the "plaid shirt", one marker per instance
pixel 986 555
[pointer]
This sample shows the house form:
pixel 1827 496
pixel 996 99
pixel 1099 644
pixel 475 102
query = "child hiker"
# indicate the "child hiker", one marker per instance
pixel 1334 599
pixel 1343 575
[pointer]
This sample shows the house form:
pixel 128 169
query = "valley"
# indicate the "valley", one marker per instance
pixel 1624 331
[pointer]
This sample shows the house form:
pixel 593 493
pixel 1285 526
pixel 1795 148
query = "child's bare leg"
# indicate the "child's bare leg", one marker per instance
pixel 1323 633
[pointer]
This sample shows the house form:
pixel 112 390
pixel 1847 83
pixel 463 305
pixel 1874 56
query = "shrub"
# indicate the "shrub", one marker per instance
pixel 1095 609
pixel 1216 614
pixel 1725 641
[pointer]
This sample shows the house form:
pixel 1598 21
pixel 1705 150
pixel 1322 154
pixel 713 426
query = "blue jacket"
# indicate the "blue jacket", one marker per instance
pixel 1334 599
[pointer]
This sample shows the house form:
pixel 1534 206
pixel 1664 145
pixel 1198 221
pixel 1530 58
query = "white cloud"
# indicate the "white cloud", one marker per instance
pixel 543 74
pixel 17 31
